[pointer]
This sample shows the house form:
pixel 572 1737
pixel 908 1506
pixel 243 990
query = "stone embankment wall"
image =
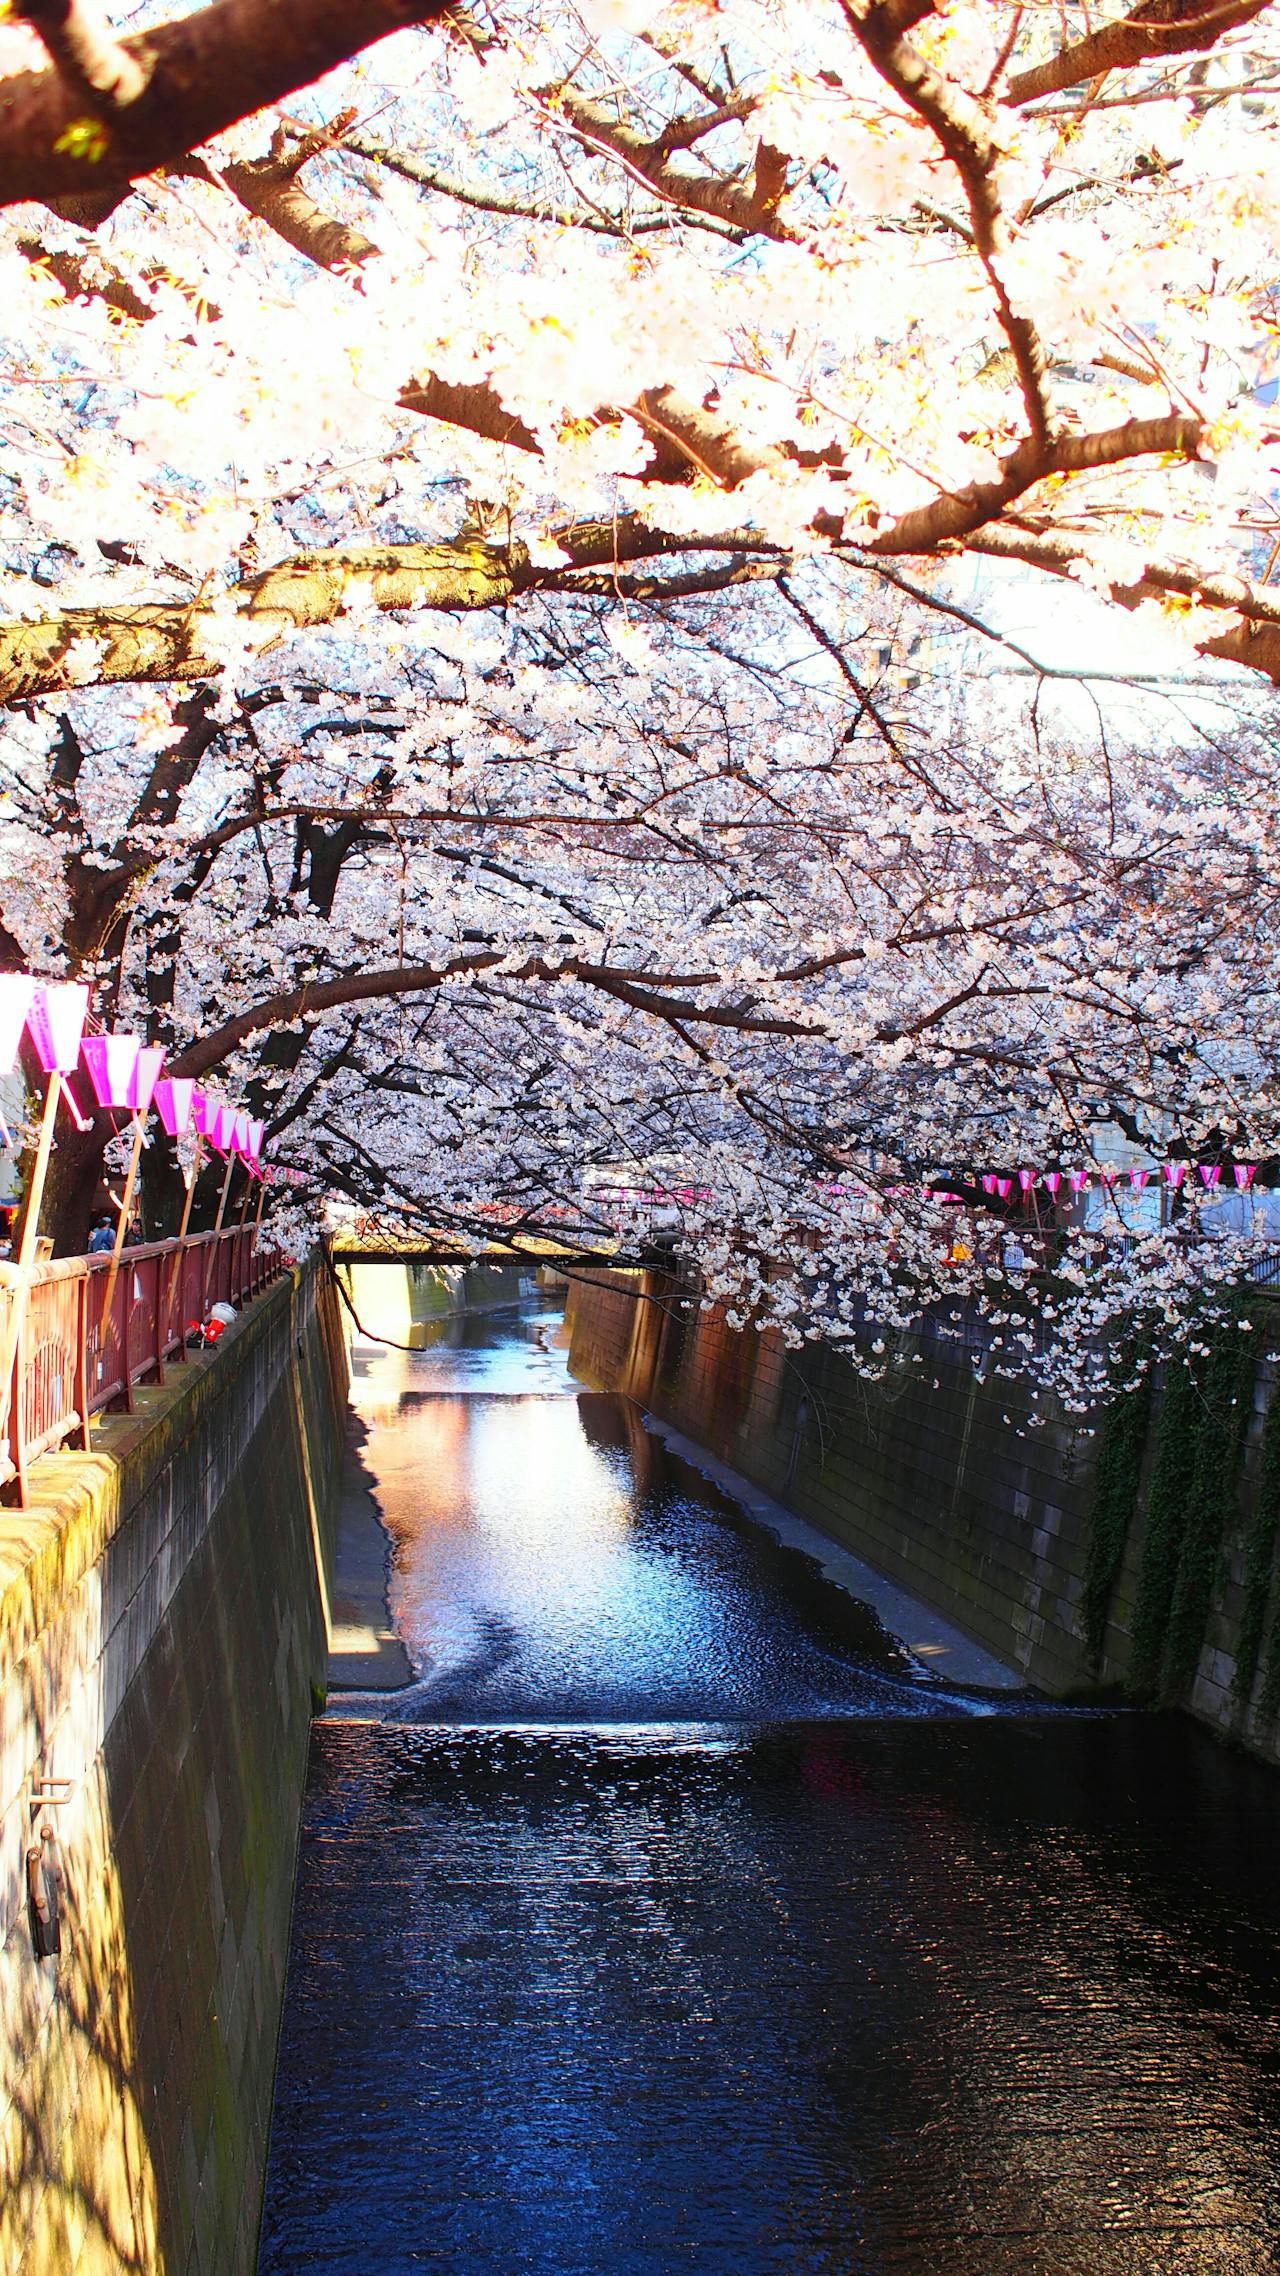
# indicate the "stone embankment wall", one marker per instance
pixel 163 1613
pixel 932 1477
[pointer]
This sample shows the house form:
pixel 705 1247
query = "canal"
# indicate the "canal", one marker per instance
pixel 675 1919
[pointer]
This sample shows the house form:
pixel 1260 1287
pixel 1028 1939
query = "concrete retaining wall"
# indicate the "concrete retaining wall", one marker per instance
pixel 926 1475
pixel 162 1637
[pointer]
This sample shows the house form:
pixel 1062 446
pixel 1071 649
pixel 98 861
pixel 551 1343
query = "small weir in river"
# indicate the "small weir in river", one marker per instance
pixel 675 1919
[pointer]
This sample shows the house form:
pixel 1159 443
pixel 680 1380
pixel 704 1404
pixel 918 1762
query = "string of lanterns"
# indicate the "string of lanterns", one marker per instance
pixel 124 1075
pixel 995 1186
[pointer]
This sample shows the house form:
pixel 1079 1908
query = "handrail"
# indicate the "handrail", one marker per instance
pixel 87 1335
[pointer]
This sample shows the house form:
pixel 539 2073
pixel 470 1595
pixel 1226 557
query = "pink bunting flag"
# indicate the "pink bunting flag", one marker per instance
pixel 1209 1173
pixel 110 1061
pixel 17 990
pixel 1245 1174
pixel 1174 1174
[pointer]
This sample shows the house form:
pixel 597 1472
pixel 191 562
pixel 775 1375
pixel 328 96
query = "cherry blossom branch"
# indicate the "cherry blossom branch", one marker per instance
pixel 517 209
pixel 313 997
pixel 95 66
pixel 156 641
pixel 1156 29
pixel 960 126
pixel 191 78
pixel 751 209
pixel 1254 640
pixel 173 640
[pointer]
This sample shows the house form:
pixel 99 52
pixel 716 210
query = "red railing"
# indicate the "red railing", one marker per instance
pixel 77 1353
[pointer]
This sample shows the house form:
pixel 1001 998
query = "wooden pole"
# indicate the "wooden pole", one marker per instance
pixel 126 1203
pixel 217 1228
pixel 176 1273
pixel 26 1253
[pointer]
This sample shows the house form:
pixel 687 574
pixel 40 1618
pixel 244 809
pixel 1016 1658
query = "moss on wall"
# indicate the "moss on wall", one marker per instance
pixel 1200 1424
pixel 162 1617
pixel 1122 1443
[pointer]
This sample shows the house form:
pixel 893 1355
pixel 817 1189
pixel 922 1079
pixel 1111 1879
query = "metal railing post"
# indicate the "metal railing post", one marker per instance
pixel 82 1358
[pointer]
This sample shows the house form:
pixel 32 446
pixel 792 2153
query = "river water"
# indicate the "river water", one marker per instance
pixel 673 1919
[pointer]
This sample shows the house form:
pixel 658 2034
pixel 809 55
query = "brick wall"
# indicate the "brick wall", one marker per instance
pixel 162 1636
pixel 928 1475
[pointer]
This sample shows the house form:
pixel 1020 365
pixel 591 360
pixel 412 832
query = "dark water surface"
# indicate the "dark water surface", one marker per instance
pixel 784 1958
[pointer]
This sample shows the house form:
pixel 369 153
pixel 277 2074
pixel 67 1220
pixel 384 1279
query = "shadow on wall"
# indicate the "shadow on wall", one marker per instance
pixel 162 1631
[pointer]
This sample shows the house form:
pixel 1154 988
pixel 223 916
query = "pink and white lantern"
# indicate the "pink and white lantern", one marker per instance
pixel 174 1101
pixel 55 1023
pixel 146 1075
pixel 111 1062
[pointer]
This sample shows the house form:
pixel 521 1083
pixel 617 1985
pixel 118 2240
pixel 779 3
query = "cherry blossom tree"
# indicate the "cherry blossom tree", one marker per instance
pixel 472 507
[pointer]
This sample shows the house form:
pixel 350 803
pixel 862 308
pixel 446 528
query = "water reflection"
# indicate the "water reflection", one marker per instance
pixel 950 1998
pixel 552 1562
pixel 862 1986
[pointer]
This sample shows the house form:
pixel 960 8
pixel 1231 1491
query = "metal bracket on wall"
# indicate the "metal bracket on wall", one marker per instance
pixel 46 1878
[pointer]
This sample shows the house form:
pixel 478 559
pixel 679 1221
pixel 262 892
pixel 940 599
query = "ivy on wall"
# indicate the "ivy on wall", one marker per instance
pixel 1200 1432
pixel 1117 1478
pixel 1260 1545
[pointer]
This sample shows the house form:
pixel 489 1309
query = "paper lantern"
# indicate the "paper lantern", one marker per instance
pixel 989 1182
pixel 16 992
pixel 145 1077
pixel 1026 1179
pixel 257 1132
pixel 55 1023
pixel 174 1101
pixel 111 1063
pixel 1245 1174
pixel 222 1130
pixel 1209 1173
pixel 1079 1180
pixel 1004 1187
pixel 240 1136
pixel 1053 1179
pixel 1138 1178
pixel 1174 1174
